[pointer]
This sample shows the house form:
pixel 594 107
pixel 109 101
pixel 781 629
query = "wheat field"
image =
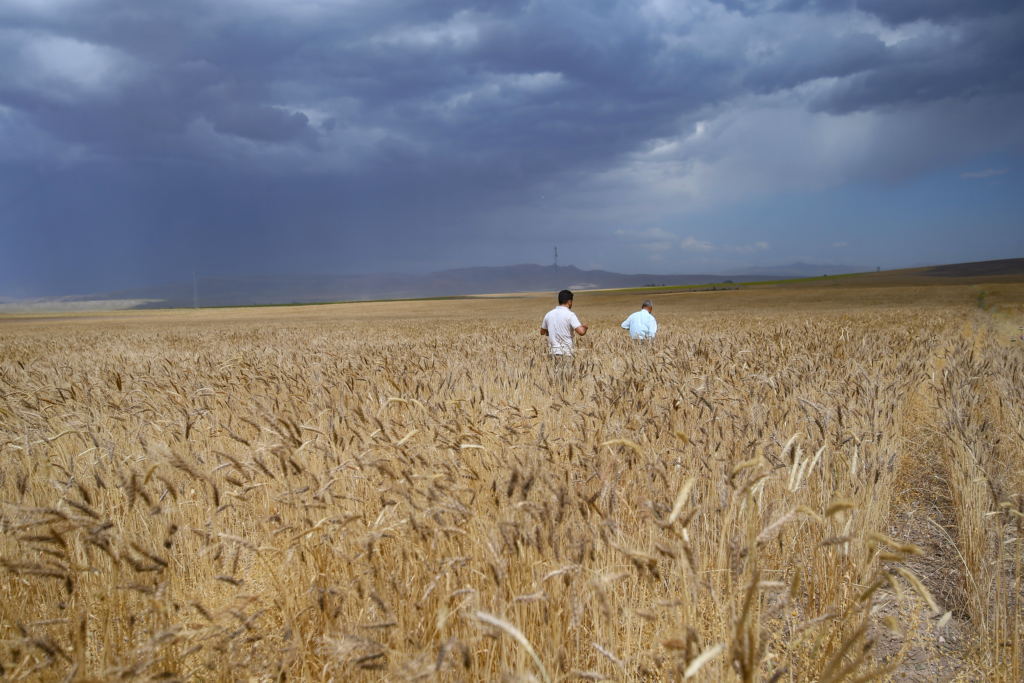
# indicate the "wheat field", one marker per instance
pixel 411 491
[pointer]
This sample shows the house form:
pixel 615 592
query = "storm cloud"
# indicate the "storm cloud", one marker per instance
pixel 138 141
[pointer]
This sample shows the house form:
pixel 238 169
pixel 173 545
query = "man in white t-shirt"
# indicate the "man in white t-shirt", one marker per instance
pixel 559 324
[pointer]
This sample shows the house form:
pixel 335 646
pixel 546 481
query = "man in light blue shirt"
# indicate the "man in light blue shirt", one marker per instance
pixel 642 325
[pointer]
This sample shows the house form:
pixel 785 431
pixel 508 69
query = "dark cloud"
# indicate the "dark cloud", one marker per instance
pixel 815 56
pixel 978 60
pixel 940 11
pixel 900 12
pixel 265 124
pixel 256 135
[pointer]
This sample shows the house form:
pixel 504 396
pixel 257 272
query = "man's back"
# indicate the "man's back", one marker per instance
pixel 560 323
pixel 641 325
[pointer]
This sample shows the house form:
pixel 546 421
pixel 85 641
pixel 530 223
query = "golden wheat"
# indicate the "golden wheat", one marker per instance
pixel 431 500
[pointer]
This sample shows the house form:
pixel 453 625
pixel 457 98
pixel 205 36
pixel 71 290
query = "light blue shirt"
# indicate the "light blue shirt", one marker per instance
pixel 641 325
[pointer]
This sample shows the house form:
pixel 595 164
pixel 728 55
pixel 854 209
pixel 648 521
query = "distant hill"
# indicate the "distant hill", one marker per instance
pixel 1010 266
pixel 800 269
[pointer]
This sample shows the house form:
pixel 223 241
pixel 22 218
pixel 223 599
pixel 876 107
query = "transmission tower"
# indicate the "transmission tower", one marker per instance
pixel 554 271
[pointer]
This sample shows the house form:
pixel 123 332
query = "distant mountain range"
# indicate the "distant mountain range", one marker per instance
pixel 246 290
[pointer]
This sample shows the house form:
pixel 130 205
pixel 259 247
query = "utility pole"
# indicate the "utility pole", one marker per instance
pixel 556 257
pixel 195 289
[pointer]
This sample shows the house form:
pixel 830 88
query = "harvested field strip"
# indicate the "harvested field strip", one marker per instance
pixel 980 402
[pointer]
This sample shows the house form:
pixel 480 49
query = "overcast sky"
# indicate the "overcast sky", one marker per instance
pixel 141 139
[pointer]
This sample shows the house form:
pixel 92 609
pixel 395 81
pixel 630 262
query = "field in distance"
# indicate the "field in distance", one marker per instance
pixel 814 481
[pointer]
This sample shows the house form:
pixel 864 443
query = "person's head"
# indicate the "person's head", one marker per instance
pixel 648 305
pixel 565 298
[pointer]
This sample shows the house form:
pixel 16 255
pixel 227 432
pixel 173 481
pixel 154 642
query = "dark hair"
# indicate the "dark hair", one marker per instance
pixel 564 297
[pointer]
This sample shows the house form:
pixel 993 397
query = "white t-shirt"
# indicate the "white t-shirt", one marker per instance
pixel 560 323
